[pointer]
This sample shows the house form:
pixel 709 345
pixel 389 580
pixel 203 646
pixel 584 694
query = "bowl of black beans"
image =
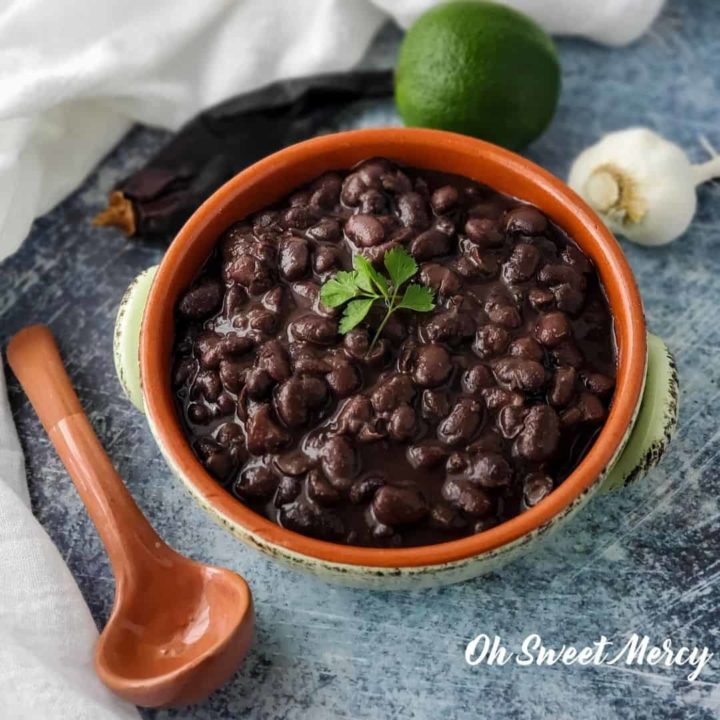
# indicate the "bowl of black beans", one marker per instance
pixel 395 357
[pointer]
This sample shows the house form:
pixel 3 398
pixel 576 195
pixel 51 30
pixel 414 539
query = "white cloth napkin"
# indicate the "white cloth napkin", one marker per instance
pixel 46 631
pixel 75 74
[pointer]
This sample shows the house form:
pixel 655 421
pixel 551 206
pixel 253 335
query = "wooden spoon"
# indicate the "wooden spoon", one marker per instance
pixel 178 629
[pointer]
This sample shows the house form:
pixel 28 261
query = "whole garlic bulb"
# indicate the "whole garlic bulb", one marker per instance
pixel 641 185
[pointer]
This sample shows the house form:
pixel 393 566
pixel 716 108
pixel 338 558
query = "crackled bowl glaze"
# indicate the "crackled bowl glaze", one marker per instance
pixel 638 428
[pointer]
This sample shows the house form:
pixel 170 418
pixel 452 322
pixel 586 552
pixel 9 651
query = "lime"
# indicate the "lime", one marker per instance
pixel 478 68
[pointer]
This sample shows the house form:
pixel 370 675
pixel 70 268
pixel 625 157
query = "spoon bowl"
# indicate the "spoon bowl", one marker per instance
pixel 178 629
pixel 189 623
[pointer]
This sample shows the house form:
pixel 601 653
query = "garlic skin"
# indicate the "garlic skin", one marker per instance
pixel 641 185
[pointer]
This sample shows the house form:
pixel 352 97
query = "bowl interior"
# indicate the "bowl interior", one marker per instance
pixel 270 179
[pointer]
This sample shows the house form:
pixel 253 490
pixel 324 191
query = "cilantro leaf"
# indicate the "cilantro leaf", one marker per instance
pixel 401 266
pixel 368 278
pixel 418 298
pixel 339 290
pixel 355 313
pixel 360 289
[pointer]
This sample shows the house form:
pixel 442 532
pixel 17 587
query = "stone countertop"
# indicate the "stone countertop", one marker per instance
pixel 643 560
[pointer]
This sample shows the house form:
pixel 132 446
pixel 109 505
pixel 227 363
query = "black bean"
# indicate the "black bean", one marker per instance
pixel 373 202
pixel 183 371
pixel 413 210
pixel 476 379
pixel 402 424
pixel 461 424
pixel 297 398
pixel 526 347
pixel 450 327
pixel 232 345
pixel 299 217
pixel 352 188
pixel 273 359
pixel 490 340
pixel 264 435
pixel 497 397
pixel 426 455
pixel 568 298
pixel 208 349
pixel 338 461
pixel 293 463
pixel 326 191
pixel 563 386
pixel 574 257
pixel 483 232
pixel 444 199
pixel 299 198
pixel 471 500
pixel 320 490
pixel 316 523
pixel 326 258
pixel 516 373
pixel 326 230
pixel 225 404
pixel 393 391
pixel 255 275
pixel 259 323
pixel 256 483
pixel 489 470
pixel 202 300
pixel 567 353
pixel 432 365
pixel 440 278
pixel 434 405
pixel 362 490
pixel 510 420
pixel 365 230
pixel 371 171
pixel 208 383
pixel 354 413
pixel 344 380
pixel 199 414
pixel 230 435
pixel 552 329
pixel 536 487
pixel 540 436
pixel 540 298
pixel 399 505
pixel 396 182
pixel 554 275
pixel 287 490
pixel 445 518
pixel 591 407
pixel 258 383
pixel 429 244
pixel 599 384
pixel 294 258
pixel 522 263
pixel 525 220
pixel 314 329
pixel 503 312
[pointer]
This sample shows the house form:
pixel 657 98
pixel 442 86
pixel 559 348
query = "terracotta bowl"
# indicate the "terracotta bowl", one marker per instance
pixel 151 299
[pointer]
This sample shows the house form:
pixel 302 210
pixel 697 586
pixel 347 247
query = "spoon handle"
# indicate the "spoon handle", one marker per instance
pixel 35 359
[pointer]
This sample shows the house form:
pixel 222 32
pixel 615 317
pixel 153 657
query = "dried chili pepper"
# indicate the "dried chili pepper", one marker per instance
pixel 155 201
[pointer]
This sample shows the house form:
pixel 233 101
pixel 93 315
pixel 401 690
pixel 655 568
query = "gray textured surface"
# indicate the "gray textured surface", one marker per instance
pixel 644 560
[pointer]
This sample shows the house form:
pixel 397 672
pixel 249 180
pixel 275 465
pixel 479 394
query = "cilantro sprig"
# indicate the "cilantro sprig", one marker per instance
pixel 362 287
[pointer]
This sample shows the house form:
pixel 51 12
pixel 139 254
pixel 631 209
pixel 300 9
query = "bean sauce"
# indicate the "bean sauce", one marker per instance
pixel 455 421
